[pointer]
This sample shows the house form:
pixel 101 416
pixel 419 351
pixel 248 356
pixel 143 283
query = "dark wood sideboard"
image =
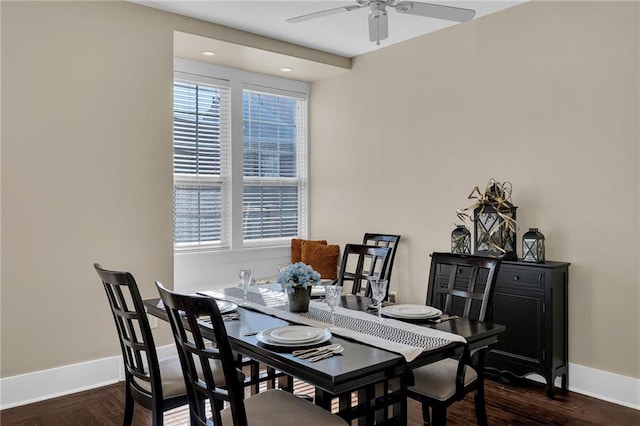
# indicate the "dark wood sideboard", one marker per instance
pixel 531 301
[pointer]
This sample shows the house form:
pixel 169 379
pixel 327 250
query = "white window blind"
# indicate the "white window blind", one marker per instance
pixel 201 147
pixel 274 164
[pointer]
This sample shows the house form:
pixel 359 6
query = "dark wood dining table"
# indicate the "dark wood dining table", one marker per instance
pixel 361 368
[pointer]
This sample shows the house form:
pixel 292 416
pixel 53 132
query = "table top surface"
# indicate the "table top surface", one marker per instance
pixel 358 365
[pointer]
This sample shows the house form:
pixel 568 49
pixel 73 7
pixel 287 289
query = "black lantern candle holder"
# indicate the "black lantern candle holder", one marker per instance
pixel 493 235
pixel 461 240
pixel 494 220
pixel 533 246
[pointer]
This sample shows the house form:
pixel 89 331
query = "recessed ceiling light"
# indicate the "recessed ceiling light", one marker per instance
pixel 208 53
pixel 286 69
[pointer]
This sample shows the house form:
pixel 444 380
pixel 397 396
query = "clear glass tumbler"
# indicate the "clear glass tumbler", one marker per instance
pixel 246 275
pixel 378 292
pixel 332 295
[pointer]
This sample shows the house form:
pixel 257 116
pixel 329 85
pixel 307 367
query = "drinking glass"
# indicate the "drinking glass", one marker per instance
pixel 332 295
pixel 378 291
pixel 246 275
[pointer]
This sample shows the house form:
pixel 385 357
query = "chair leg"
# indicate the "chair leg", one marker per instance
pixel 128 406
pixel 201 412
pixel 439 415
pixel 215 412
pixel 426 418
pixel 157 417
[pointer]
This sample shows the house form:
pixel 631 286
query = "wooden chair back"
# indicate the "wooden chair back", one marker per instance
pixel 136 340
pixel 384 240
pixel 197 355
pixel 463 284
pixel 354 261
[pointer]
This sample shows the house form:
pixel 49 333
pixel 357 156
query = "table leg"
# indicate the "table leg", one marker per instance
pixel 400 407
pixel 365 396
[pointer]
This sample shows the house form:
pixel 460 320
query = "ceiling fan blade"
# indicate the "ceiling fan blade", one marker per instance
pixel 429 10
pixel 378 27
pixel 322 13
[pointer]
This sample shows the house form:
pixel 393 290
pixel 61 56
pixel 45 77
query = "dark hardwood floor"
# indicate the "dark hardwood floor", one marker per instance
pixel 506 405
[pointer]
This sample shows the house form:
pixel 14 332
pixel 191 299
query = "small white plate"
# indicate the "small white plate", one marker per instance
pixel 225 306
pixel 294 334
pixel 411 311
pixel 326 335
pixel 317 290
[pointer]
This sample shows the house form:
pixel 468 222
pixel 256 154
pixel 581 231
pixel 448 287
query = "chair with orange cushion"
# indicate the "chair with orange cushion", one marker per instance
pixel 322 257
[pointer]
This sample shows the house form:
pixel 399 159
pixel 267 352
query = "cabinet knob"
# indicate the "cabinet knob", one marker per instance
pixel 516 277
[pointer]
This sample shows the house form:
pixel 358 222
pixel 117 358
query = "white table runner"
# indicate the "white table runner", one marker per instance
pixel 407 339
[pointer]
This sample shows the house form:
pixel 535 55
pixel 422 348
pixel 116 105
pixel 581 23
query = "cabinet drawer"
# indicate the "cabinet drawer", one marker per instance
pixel 521 277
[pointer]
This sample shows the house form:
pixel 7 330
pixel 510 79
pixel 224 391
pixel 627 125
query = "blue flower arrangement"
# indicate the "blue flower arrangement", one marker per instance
pixel 298 275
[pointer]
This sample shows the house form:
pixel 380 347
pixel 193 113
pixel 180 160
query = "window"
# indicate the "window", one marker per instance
pixel 200 163
pixel 266 155
pixel 272 126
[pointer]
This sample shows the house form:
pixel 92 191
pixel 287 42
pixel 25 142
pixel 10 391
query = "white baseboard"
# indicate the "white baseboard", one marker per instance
pixel 46 384
pixel 40 385
pixel 612 387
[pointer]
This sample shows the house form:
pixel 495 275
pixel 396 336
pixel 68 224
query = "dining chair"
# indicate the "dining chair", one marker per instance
pixel 155 384
pixel 272 407
pixel 384 240
pixel 460 285
pixel 360 263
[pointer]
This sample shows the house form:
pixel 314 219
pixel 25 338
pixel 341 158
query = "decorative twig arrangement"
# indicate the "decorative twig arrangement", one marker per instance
pixel 496 198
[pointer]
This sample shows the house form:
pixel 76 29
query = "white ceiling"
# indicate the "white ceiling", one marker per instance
pixel 344 34
pixel 247 58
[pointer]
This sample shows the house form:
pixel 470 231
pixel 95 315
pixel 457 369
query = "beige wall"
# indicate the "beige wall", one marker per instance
pixel 86 145
pixel 86 168
pixel 544 95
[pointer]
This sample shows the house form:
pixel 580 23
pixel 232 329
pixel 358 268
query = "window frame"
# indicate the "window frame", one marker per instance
pixel 238 81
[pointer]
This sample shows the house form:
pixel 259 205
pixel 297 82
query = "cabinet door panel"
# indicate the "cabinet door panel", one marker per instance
pixel 522 315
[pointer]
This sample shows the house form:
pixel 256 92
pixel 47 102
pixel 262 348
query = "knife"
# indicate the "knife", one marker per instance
pixel 304 351
pixel 442 319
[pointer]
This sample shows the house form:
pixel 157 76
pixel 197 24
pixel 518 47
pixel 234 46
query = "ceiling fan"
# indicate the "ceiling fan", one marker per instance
pixel 378 20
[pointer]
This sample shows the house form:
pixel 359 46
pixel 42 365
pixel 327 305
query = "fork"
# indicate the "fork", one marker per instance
pixel 311 352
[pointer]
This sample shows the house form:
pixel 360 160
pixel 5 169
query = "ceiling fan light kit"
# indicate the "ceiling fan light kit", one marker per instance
pixel 379 20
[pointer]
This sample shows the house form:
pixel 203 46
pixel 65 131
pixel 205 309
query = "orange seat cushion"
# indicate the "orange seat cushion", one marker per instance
pixel 296 248
pixel 323 258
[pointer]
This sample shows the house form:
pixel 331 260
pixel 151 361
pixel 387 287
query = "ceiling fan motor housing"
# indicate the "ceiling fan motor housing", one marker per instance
pixel 377 8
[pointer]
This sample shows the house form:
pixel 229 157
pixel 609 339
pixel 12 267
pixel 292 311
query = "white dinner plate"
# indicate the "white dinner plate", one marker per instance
pixel 294 334
pixel 411 311
pixel 225 306
pixel 326 335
